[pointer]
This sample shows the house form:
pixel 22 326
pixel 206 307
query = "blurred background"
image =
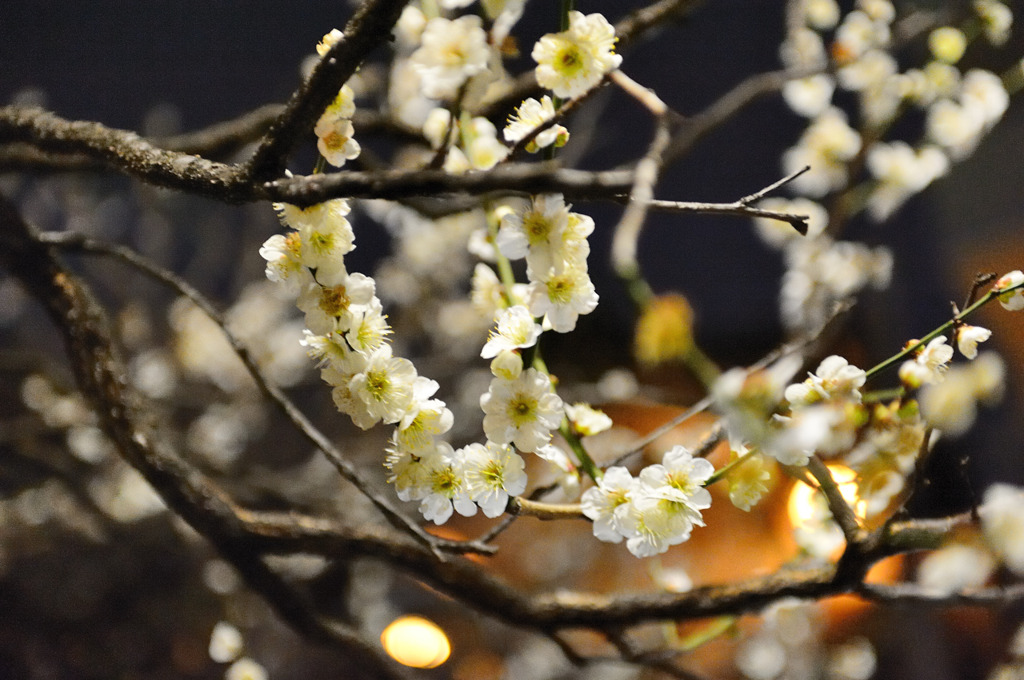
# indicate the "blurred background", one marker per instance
pixel 122 590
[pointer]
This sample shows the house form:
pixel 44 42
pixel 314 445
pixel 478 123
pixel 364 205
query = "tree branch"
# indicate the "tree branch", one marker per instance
pixel 368 28
pixel 132 427
pixel 271 391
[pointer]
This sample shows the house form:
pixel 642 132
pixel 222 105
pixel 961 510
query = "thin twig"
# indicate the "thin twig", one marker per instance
pixel 132 427
pixel 743 207
pixel 638 446
pixel 841 510
pixel 626 234
pixel 728 105
pixel 275 394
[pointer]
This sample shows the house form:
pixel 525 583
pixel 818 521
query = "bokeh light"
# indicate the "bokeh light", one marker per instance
pixel 415 641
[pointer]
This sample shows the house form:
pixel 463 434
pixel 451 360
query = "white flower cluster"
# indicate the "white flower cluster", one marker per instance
pixel 554 242
pixel 959 107
pixel 347 333
pixel 654 511
pixel 334 127
pixel 821 271
pixel 958 567
pixel 451 51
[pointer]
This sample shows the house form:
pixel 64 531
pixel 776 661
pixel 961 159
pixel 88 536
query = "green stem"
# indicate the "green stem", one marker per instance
pixel 563 19
pixel 587 463
pixel 702 366
pixel 724 471
pixel 563 25
pixel 505 273
pixel 877 396
pixel 716 628
pixel 910 349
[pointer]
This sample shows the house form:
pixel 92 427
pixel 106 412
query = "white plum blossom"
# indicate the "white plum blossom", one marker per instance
pixel 654 525
pixel 984 91
pixel 334 129
pixel 955 568
pixel 968 337
pixel 607 502
pixel 586 419
pixel 446 488
pixel 245 669
pixel 561 297
pixel 803 49
pixel 821 272
pixel 322 237
pixel 534 231
pixel 523 411
pixel 366 327
pixel 425 418
pixel 748 481
pixel 825 428
pixel 835 378
pixel 748 399
pixel 508 364
pixel 226 643
pixel 1013 297
pixel 487 292
pixel 678 481
pixel 530 115
pixel 493 473
pixel 516 329
pixel 1002 521
pixel 947 44
pixel 452 51
pixel 827 145
pixel 334 140
pixel 327 216
pixel 955 127
pixel 821 14
pixel 283 253
pixel 869 73
pixel 996 19
pixel 438 126
pixel 410 472
pixel 809 96
pixel 857 34
pixel 325 304
pixel 410 26
pixel 901 172
pixel 573 61
pixel 654 511
pixel 930 364
pixel 384 388
pixel 952 405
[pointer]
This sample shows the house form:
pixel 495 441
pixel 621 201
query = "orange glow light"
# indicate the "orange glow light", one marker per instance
pixel 800 506
pixel 414 641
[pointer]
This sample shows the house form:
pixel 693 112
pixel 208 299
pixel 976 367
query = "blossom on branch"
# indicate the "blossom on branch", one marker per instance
pixel 835 378
pixel 1012 300
pixel 452 51
pixel 493 472
pixel 929 365
pixel 1002 520
pixel 516 329
pixel 573 61
pixel 530 115
pixel 522 411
